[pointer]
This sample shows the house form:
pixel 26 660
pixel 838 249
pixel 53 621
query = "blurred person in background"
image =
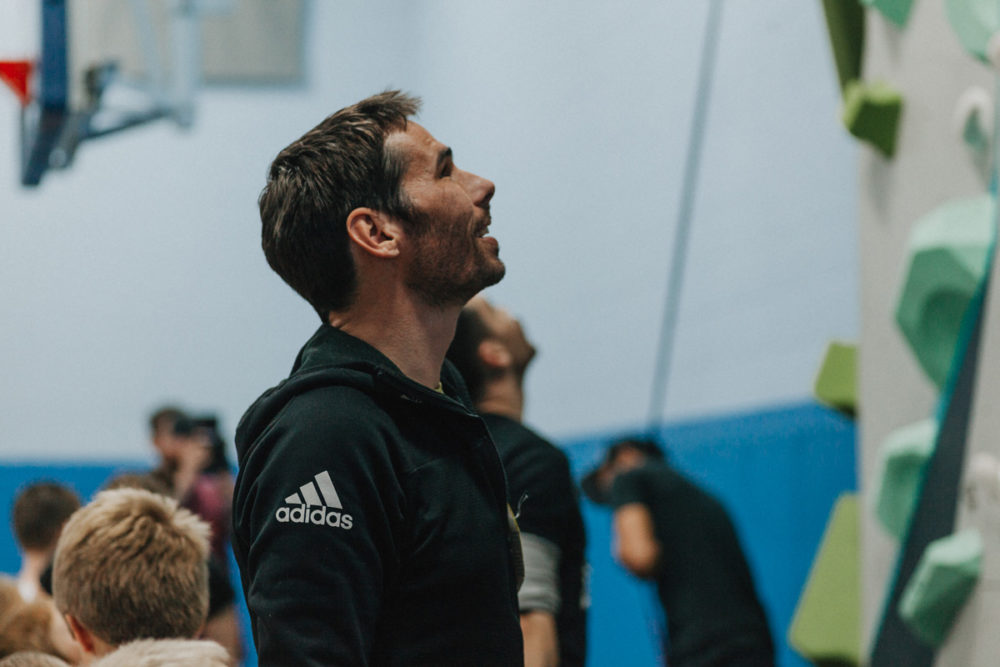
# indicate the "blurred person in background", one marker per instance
pixel 38 515
pixel 222 624
pixel 194 466
pixel 670 531
pixel 183 455
pixel 138 480
pixel 492 353
pixel 158 585
pixel 32 659
pixel 33 626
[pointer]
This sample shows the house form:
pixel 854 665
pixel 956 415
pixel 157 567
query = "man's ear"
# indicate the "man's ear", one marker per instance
pixel 374 232
pixel 81 634
pixel 494 354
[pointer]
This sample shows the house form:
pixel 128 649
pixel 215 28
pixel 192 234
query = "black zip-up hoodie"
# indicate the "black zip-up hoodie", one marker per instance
pixel 370 518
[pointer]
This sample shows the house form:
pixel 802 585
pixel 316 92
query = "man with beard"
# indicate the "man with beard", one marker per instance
pixel 492 353
pixel 370 514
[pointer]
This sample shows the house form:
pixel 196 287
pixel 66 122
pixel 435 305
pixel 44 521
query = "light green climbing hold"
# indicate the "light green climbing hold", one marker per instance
pixel 836 382
pixel 904 453
pixel 948 254
pixel 871 113
pixel 974 22
pixel 896 11
pixel 941 584
pixel 826 626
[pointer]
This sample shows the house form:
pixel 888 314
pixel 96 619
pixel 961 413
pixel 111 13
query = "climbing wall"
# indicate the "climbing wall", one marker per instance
pixel 922 201
pixel 974 639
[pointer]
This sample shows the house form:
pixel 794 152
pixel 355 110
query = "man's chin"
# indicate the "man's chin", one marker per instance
pixel 487 278
pixel 494 276
pixel 442 292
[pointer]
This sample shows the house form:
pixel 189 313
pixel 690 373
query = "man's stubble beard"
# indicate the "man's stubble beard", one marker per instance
pixel 438 288
pixel 432 274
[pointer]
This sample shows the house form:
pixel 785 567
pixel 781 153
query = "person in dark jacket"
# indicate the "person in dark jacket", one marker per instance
pixel 672 532
pixel 371 522
pixel 492 353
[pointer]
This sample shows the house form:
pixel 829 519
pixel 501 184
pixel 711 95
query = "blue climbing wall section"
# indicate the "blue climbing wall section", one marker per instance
pixel 777 471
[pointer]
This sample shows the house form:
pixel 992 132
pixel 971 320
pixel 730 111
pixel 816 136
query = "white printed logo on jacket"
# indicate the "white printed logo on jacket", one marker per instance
pixel 321 508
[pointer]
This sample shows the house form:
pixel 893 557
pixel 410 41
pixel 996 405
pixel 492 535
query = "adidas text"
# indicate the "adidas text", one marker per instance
pixel 319 516
pixel 315 502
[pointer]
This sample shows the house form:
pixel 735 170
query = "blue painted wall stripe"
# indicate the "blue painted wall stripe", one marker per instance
pixel 778 472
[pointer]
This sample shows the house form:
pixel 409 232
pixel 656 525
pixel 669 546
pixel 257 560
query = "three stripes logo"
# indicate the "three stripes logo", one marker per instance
pixel 315 502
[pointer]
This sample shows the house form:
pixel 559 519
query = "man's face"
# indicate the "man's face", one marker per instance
pixel 625 460
pixel 165 441
pixel 452 258
pixel 173 447
pixel 507 330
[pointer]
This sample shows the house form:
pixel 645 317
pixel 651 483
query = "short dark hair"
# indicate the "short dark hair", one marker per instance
pixel 167 415
pixel 590 484
pixel 647 446
pixel 314 183
pixel 150 481
pixel 464 352
pixel 40 511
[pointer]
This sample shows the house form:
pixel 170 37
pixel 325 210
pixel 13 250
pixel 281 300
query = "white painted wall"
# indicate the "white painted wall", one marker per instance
pixel 136 277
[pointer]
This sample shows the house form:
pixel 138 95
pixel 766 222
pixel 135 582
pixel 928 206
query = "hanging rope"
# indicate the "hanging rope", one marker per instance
pixel 706 71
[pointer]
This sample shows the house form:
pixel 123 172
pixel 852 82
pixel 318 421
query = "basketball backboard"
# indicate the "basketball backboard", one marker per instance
pixel 97 67
pixel 33 64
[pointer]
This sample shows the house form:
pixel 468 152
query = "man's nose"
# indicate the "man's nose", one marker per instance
pixel 480 189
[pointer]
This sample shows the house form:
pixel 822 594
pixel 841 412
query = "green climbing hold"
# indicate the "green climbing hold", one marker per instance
pixel 904 453
pixel 845 24
pixel 896 11
pixel 974 22
pixel 941 584
pixel 826 626
pixel 948 251
pixel 871 113
pixel 836 382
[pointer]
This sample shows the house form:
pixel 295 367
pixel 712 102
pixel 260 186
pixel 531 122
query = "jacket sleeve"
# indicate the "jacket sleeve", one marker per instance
pixel 317 511
pixel 541 487
pixel 627 488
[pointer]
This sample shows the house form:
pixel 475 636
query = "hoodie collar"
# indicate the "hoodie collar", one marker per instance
pixel 330 348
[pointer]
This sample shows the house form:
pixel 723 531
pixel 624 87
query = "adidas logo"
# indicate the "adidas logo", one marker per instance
pixel 310 507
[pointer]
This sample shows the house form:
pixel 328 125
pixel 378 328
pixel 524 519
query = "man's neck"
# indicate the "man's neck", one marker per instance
pixel 503 396
pixel 412 335
pixel 33 564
